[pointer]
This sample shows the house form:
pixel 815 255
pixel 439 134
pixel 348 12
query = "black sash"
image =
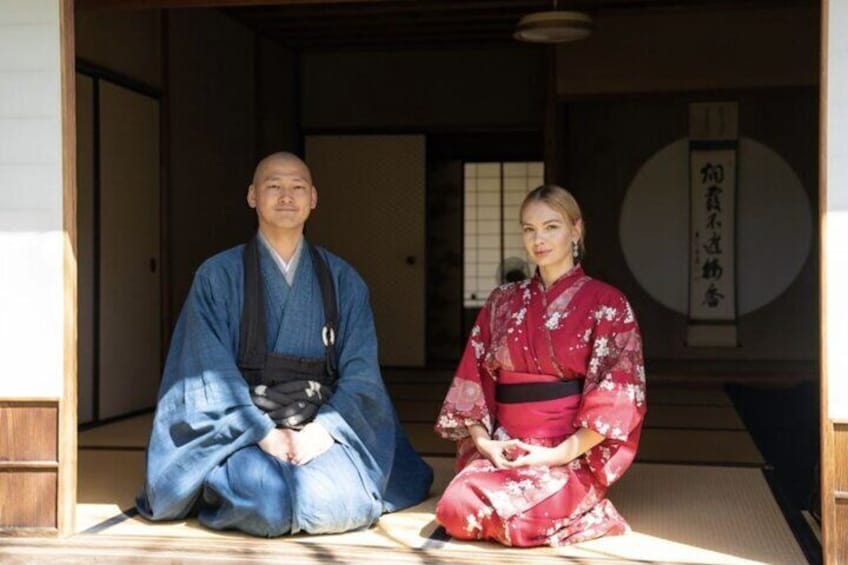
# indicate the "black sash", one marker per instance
pixel 536 392
pixel 289 388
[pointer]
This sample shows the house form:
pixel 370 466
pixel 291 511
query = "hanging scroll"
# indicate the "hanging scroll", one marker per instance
pixel 713 143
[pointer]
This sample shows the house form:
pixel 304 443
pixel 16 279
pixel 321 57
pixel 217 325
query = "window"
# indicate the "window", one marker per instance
pixel 494 252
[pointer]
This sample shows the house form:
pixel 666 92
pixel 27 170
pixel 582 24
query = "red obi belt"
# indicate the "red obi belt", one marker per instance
pixel 532 405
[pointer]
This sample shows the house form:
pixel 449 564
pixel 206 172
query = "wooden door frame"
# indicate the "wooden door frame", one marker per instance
pixel 99 76
pixel 826 435
pixel 66 493
pixel 834 432
pixel 67 432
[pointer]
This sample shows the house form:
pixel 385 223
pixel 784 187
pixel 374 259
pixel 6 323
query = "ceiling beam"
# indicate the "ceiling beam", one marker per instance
pixel 342 25
pixel 383 44
pixel 399 8
pixel 141 4
pixel 375 11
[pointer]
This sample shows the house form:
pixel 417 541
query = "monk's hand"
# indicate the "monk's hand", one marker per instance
pixel 279 443
pixel 309 443
pixel 499 452
pixel 536 456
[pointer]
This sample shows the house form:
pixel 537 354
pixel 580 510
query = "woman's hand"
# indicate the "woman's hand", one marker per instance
pixel 500 453
pixel 573 447
pixel 496 451
pixel 537 456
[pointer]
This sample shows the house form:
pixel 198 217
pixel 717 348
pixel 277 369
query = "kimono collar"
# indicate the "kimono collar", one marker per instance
pixel 287 268
pixel 564 281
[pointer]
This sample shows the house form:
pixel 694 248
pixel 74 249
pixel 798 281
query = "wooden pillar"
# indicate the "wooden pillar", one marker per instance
pixel 551 127
pixel 38 298
pixel 834 278
pixel 66 499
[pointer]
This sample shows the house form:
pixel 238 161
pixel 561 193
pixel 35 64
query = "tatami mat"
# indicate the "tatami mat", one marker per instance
pixel 730 447
pixel 679 514
pixel 715 446
pixel 683 424
pixel 716 417
pixel 719 511
pixel 400 391
pixel 689 395
pixel 132 432
pixel 108 478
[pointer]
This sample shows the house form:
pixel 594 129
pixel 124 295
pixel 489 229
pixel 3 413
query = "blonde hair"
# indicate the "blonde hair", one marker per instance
pixel 563 202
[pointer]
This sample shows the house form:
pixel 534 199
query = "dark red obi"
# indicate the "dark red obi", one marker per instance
pixel 532 405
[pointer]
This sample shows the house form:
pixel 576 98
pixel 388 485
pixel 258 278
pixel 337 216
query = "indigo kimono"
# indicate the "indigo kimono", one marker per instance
pixel 203 455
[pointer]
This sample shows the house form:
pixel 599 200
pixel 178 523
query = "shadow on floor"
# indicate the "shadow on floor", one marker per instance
pixel 784 422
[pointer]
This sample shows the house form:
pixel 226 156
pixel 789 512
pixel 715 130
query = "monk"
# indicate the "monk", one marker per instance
pixel 272 415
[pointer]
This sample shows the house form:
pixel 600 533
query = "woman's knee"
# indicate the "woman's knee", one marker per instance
pixel 459 508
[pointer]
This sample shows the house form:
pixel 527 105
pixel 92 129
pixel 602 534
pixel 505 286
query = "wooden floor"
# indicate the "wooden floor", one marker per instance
pixel 696 495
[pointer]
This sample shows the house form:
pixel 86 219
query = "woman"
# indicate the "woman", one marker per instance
pixel 548 400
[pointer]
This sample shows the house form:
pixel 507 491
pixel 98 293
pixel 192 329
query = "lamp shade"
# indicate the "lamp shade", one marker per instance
pixel 554 27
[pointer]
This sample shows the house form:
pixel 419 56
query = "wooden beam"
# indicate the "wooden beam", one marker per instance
pixel 66 489
pixel 381 30
pixel 417 5
pixel 283 20
pixel 145 4
pixel 396 8
pixel 353 39
pixel 411 43
pixel 551 116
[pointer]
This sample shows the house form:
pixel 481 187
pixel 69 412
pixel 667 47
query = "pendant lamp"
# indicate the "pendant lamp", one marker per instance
pixel 554 27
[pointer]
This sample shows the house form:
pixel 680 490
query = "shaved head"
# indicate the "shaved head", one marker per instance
pixel 282 194
pixel 281 157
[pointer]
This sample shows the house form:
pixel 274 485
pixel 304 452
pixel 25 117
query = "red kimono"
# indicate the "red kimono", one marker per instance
pixel 578 329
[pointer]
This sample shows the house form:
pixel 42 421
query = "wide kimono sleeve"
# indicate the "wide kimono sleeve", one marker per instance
pixel 471 396
pixel 613 401
pixel 204 412
pixel 359 414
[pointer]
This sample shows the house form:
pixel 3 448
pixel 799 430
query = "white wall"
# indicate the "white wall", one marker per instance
pixel 31 236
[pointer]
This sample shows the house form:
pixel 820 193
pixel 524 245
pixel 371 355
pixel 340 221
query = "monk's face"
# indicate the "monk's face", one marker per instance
pixel 282 194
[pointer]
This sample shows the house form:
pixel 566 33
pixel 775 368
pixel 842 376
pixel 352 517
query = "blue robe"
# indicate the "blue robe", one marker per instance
pixel 203 455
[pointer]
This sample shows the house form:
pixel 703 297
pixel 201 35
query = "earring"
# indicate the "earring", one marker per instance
pixel 575 250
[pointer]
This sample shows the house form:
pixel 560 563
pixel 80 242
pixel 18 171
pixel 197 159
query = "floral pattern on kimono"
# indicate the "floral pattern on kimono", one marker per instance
pixel 579 328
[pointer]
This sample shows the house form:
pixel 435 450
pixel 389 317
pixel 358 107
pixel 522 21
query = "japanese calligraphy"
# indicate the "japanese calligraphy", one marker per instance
pixel 712 186
pixel 711 177
pixel 713 153
pixel 712 297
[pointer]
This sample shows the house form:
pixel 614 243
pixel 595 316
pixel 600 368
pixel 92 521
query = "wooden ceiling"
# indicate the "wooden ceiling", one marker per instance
pixel 363 24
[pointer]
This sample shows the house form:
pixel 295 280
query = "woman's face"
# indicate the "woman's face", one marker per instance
pixel 548 236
